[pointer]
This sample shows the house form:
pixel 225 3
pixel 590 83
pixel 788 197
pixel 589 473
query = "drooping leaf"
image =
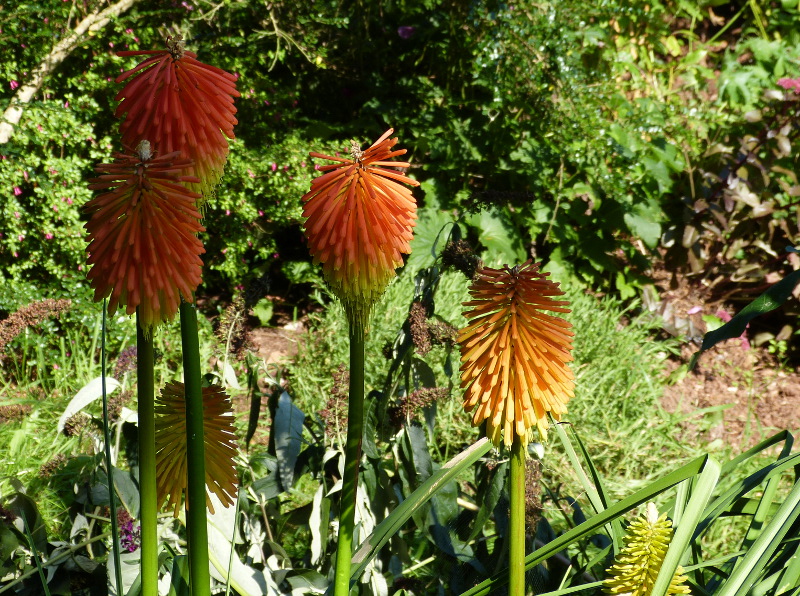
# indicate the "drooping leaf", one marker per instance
pixel 769 300
pixel 288 431
pixel 90 392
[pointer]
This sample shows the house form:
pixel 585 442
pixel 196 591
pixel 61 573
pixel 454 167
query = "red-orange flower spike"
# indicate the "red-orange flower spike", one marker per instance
pixel 180 104
pixel 143 246
pixel 514 354
pixel 359 222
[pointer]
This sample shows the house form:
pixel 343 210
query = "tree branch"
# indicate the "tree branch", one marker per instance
pixel 93 22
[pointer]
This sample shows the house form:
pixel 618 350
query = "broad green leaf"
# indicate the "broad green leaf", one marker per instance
pixel 497 234
pixel 430 236
pixel 226 566
pixel 644 224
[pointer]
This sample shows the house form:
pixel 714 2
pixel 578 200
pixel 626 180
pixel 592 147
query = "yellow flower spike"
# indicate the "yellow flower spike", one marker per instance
pixel 514 354
pixel 219 439
pixel 359 222
pixel 636 567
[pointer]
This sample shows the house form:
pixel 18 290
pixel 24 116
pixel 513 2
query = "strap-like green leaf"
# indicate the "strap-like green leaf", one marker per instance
pixel 589 526
pixel 769 300
pixel 392 524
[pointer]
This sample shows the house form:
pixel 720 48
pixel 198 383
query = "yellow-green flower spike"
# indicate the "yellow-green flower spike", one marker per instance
pixel 636 567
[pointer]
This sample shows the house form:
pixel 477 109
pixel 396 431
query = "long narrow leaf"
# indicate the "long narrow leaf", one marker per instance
pixel 722 503
pixel 701 494
pixel 586 528
pixel 392 524
pixel 751 566
pixel 594 490
pixel 769 300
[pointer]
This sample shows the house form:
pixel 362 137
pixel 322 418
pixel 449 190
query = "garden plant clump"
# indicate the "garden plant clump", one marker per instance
pixel 399 298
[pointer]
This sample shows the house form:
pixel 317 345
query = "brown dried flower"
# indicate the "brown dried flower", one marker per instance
pixel 30 316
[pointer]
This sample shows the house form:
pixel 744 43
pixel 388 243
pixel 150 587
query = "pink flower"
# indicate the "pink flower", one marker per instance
pixel 17 191
pixel 790 84
pixel 16 214
pixel 227 212
pixel 14 85
pixel 48 236
pixel 21 237
pixel 274 166
pixel 260 213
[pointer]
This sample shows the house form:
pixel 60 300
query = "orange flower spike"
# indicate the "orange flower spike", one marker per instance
pixel 143 246
pixel 180 104
pixel 514 354
pixel 359 221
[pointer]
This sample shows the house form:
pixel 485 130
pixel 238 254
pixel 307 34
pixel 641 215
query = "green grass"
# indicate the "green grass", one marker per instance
pixel 49 365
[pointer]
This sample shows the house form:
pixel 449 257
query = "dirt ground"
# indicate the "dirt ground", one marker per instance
pixel 747 394
pixel 753 396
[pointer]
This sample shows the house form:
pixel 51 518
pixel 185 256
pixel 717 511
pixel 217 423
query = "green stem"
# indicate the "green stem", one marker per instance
pixel 516 524
pixel 147 461
pixel 112 497
pixel 352 459
pixel 199 575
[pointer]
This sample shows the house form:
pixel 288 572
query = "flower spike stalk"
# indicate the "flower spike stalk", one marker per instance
pixel 359 224
pixel 514 357
pixel 144 256
pixel 185 109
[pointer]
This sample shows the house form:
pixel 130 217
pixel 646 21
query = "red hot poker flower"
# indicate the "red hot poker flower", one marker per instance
pixel 180 104
pixel 514 354
pixel 360 220
pixel 143 246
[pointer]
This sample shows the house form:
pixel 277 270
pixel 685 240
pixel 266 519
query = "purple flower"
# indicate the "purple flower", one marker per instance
pixel 405 32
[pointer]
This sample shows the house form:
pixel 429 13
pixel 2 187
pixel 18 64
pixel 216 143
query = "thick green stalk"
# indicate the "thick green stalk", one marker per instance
pixel 516 524
pixel 147 461
pixel 352 459
pixel 112 497
pixel 199 575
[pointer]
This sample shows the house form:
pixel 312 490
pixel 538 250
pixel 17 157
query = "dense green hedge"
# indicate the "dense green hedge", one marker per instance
pixel 595 127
